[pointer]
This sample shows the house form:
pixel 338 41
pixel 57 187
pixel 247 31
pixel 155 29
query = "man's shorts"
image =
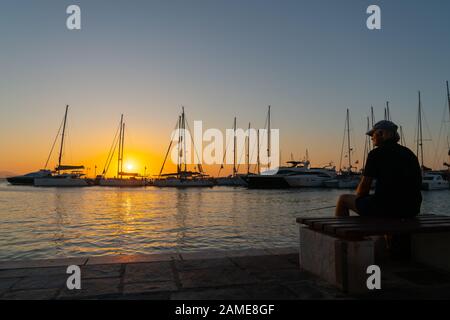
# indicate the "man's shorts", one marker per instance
pixel 368 206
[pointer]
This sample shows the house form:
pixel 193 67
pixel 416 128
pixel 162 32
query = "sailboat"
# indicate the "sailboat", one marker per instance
pixel 234 179
pixel 347 178
pixel 431 180
pixel 123 179
pixel 183 177
pixel 64 175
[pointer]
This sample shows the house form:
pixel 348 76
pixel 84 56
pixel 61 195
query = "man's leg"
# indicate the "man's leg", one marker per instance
pixel 345 203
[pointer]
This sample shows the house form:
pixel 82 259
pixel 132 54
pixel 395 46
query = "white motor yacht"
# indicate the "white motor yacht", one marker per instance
pixel 434 181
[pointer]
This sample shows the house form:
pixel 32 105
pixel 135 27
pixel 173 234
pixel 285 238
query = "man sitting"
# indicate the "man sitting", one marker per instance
pixel 398 179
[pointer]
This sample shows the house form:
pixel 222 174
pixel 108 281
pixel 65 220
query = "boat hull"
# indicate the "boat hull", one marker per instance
pixel 176 183
pixel 231 181
pixel 61 182
pixel 267 182
pixel 304 181
pixel 20 181
pixel 435 186
pixel 121 183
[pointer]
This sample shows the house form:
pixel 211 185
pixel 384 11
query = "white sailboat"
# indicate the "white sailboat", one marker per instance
pixel 431 180
pixel 235 179
pixel 347 178
pixel 182 178
pixel 64 175
pixel 123 179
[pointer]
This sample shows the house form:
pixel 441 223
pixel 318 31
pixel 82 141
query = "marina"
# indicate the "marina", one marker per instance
pixel 252 152
pixel 43 223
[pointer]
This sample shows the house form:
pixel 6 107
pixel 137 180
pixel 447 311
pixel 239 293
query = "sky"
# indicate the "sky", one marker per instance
pixel 309 60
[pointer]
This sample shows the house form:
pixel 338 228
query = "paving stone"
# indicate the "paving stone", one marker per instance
pixel 133 258
pixel 247 253
pixel 42 263
pixel 212 294
pixel 214 277
pixel 41 282
pixel 100 288
pixel 283 251
pixel 42 294
pixel 148 272
pixel 30 272
pixel 6 284
pixel 101 271
pixel 203 264
pixel 278 274
pixel 202 255
pixel 264 262
pixel 149 287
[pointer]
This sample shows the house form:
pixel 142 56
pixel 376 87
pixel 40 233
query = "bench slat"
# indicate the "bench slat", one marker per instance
pixel 356 226
pixel 380 230
pixel 332 228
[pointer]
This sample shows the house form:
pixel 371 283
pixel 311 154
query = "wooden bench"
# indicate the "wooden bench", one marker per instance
pixel 339 249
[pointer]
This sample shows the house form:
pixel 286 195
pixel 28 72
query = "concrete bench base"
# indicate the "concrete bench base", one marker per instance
pixel 431 249
pixel 342 263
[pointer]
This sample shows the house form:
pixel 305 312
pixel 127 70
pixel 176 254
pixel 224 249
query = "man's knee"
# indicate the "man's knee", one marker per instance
pixel 345 199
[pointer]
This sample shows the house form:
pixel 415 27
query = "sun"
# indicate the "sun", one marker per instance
pixel 129 166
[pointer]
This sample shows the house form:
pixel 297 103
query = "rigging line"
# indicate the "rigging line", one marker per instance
pixel 112 150
pixel 433 145
pixel 195 149
pixel 223 159
pixel 53 145
pixel 342 147
pixel 168 149
pixel 436 157
pixel 352 136
pixel 240 159
pixel 253 147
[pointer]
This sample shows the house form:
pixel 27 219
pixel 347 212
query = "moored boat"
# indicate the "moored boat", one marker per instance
pixel 182 178
pixel 123 179
pixel 64 175
pixel 28 179
pixel 434 181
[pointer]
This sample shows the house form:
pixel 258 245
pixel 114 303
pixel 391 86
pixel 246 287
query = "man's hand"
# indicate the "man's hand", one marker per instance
pixel 364 186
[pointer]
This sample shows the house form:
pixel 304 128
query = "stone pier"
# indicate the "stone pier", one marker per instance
pixel 271 274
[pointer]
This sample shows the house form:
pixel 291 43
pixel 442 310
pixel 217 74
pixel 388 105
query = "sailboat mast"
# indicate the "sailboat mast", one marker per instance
pixel 257 158
pixel 62 138
pixel 366 145
pixel 268 137
pixel 123 143
pixel 179 150
pixel 388 114
pixel 402 137
pixel 248 149
pixel 448 98
pixel 119 154
pixel 234 147
pixel 420 137
pixel 372 115
pixel 348 140
pixel 184 139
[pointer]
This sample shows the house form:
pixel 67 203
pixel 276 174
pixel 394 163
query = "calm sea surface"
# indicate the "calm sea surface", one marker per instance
pixel 38 223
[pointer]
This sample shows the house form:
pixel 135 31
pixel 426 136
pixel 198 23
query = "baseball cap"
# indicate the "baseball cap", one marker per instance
pixel 383 124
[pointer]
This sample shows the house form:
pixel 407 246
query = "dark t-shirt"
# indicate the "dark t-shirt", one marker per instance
pixel 398 178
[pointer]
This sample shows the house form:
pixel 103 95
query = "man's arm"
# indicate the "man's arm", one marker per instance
pixel 364 186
